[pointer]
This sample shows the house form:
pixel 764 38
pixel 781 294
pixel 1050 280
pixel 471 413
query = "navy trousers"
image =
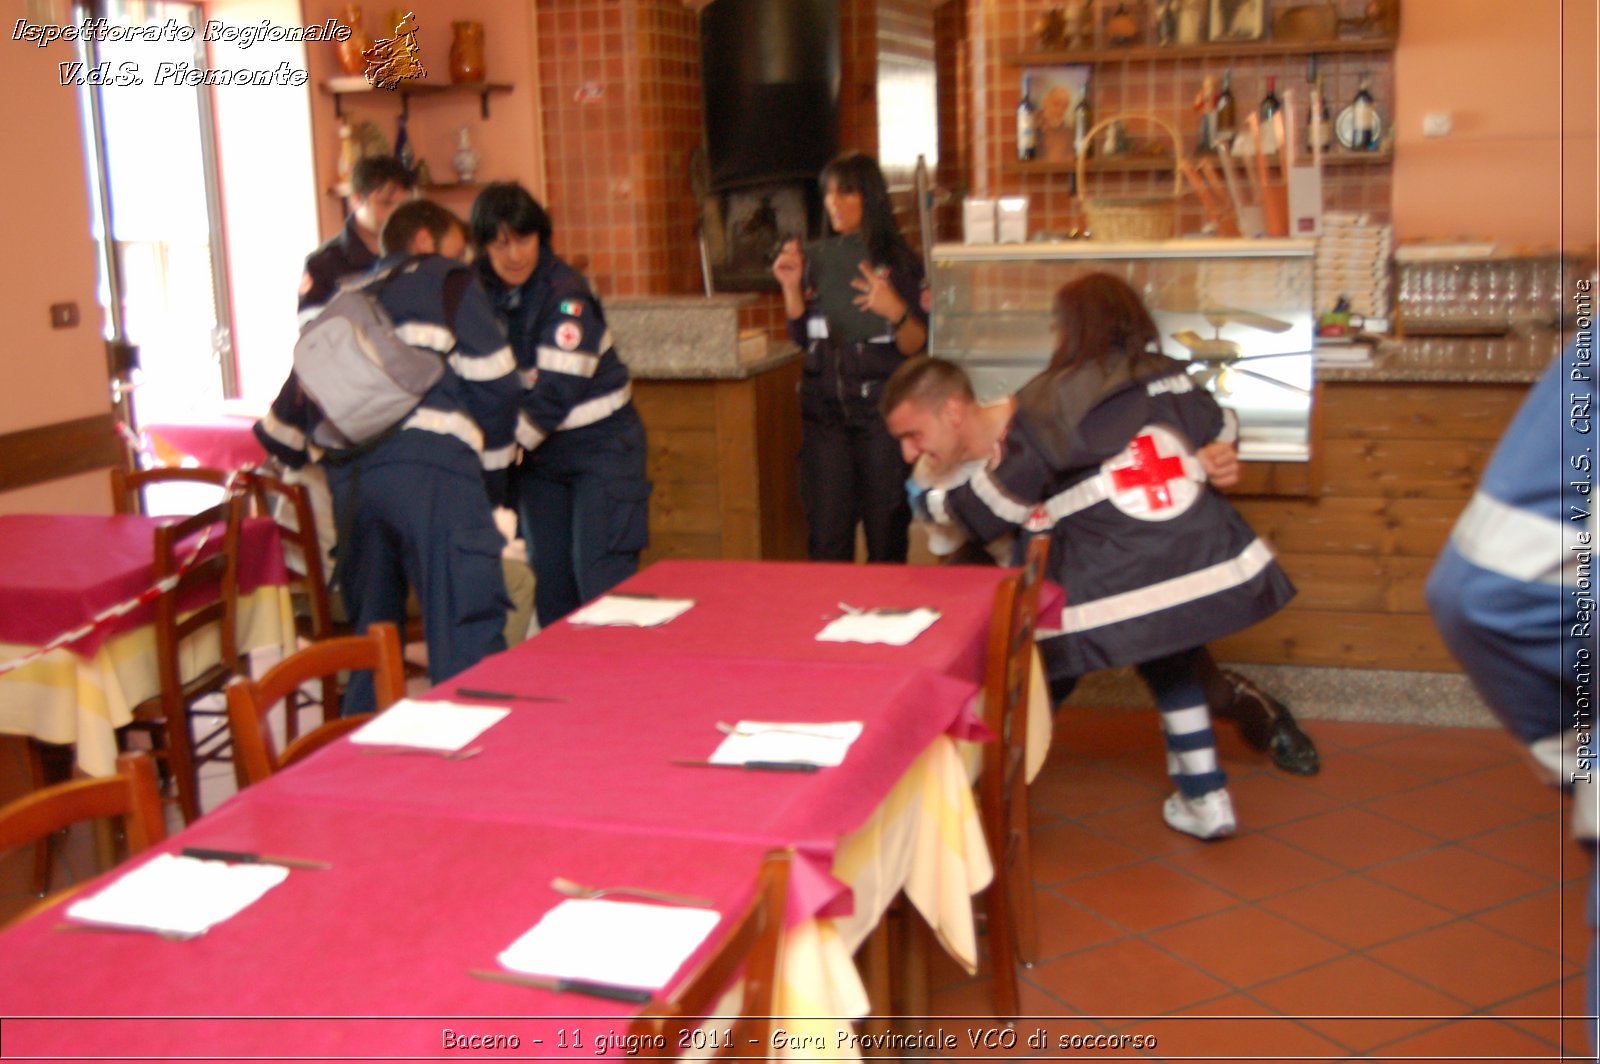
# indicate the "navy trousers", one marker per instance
pixel 414 513
pixel 584 501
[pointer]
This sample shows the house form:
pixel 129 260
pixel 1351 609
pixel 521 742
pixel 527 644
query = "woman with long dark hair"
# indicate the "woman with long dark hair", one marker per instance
pixel 1101 452
pixel 857 303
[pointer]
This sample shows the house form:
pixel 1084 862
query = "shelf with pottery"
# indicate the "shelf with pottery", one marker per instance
pixel 357 86
pixel 341 191
pixel 1138 164
pixel 1211 50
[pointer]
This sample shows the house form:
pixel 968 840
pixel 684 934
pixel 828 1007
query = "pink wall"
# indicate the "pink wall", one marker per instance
pixel 507 142
pixel 1519 82
pixel 51 374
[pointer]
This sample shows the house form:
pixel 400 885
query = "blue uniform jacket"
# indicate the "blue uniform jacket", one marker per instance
pixel 571 373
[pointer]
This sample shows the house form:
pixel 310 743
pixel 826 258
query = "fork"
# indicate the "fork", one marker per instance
pixel 562 885
pixel 448 755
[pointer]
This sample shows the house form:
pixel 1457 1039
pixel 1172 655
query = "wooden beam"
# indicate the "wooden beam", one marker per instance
pixel 64 449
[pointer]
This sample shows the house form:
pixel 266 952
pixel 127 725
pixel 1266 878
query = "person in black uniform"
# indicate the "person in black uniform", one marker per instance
pixel 580 488
pixel 414 505
pixel 1155 563
pixel 858 304
pixel 378 184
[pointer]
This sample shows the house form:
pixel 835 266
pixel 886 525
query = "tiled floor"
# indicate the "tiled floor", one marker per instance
pixel 1418 899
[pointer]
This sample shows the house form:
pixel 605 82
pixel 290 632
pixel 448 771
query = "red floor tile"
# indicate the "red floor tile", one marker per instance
pixel 1517 784
pixel 1472 1038
pixel 1537 921
pixel 1444 753
pixel 1357 1002
pixel 1246 946
pixel 1146 896
pixel 1459 879
pixel 1353 838
pixel 1141 827
pixel 1264 801
pixel 1449 810
pixel 1334 735
pixel 1125 980
pixel 1357 912
pixel 1354 777
pixel 1065 926
pixel 1541 847
pixel 1086 788
pixel 1474 963
pixel 1255 866
pixel 1067 851
pixel 1554 1014
pixel 1234 1027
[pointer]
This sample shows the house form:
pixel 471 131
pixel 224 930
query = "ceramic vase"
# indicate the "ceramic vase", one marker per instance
pixel 349 50
pixel 466 52
pixel 465 160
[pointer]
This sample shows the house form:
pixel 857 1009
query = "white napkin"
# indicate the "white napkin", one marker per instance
pixel 429 725
pixel 179 895
pixel 869 626
pixel 616 942
pixel 627 610
pixel 758 740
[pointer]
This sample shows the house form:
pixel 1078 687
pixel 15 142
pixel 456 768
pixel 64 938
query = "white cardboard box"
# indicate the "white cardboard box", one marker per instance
pixel 978 220
pixel 1012 219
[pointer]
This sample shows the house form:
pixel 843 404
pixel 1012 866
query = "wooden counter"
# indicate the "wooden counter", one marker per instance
pixel 1398 449
pixel 724 460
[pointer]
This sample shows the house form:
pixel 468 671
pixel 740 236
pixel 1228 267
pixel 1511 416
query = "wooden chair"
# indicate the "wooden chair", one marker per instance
pixel 131 794
pixel 128 485
pixel 204 598
pixel 255 757
pixel 1003 785
pixel 754 943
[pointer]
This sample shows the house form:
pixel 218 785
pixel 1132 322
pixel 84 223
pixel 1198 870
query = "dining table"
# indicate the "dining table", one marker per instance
pixel 69 574
pixel 598 764
pixel 371 956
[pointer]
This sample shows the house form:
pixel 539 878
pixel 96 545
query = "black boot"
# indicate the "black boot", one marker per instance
pixel 1266 724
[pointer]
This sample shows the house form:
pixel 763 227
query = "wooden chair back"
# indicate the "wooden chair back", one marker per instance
pixel 289 506
pixel 201 599
pixel 128 485
pixel 1003 785
pixel 131 794
pixel 255 754
pixel 754 943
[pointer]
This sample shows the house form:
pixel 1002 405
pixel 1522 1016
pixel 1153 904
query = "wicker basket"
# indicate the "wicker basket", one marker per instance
pixel 1132 217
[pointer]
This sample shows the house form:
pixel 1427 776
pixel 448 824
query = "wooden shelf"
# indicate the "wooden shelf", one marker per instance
pixel 481 89
pixel 1158 163
pixel 1216 50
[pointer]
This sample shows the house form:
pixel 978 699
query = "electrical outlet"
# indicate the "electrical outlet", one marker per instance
pixel 1436 124
pixel 63 315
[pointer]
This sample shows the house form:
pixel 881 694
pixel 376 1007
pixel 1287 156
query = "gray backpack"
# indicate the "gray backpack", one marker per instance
pixel 358 370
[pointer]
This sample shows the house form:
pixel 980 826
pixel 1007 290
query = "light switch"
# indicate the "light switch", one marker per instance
pixel 1436 124
pixel 63 315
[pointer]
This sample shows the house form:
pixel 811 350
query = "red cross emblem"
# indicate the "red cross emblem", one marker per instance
pixel 1150 471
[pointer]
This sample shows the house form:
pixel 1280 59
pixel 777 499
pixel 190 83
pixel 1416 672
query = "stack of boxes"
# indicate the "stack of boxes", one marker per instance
pixel 1353 255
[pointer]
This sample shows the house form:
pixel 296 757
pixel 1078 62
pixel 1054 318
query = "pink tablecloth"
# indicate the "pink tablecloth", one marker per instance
pixel 772 611
pixel 58 570
pixel 384 940
pixel 225 442
pixel 604 757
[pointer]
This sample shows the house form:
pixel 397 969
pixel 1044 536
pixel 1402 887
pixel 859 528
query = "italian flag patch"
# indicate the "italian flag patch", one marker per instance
pixel 572 308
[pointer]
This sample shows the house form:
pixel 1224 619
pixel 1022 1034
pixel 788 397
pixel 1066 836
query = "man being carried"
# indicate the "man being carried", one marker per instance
pixel 931 409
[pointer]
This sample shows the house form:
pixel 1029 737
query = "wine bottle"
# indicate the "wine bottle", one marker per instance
pixel 1319 114
pixel 1227 121
pixel 1027 123
pixel 1270 106
pixel 1365 132
pixel 1082 122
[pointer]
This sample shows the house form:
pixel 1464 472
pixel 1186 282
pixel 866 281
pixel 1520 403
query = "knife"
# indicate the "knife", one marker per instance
pixel 504 696
pixel 566 986
pixel 243 857
pixel 756 766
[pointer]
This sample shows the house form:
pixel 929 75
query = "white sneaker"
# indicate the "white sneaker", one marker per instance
pixel 1209 816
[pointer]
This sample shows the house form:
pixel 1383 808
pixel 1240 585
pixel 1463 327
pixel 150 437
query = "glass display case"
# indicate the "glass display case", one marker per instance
pixel 1240 311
